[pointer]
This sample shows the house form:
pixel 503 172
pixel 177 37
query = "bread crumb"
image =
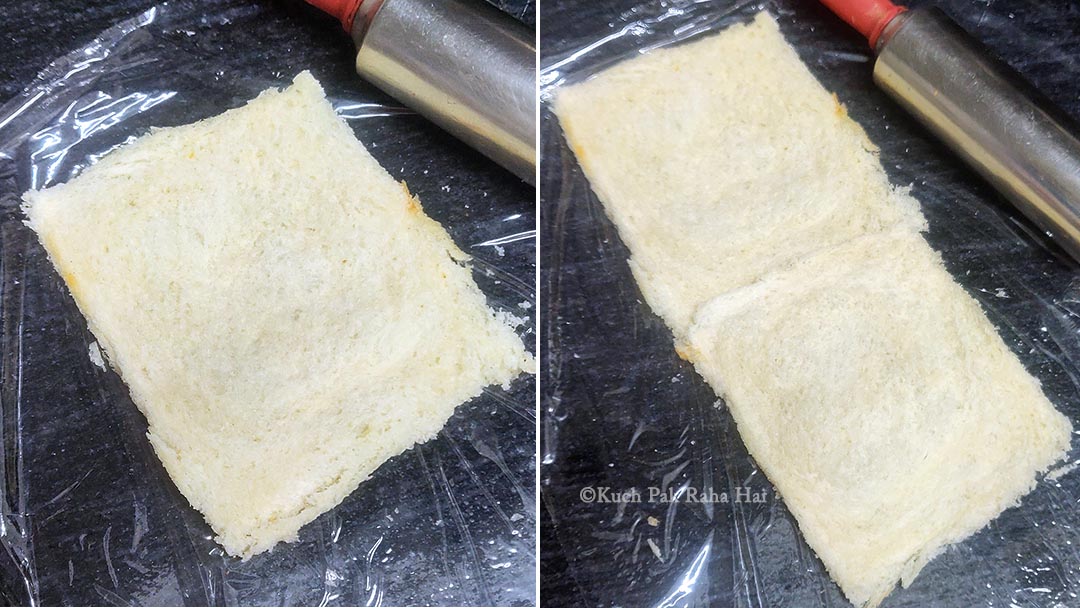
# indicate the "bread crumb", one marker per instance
pixel 1059 472
pixel 95 355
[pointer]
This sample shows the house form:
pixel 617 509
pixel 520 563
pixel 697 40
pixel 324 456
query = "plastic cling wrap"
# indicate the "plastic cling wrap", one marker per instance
pixel 88 515
pixel 632 437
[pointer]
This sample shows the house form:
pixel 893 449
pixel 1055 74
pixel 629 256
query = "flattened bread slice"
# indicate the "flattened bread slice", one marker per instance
pixel 721 160
pixel 880 402
pixel 283 312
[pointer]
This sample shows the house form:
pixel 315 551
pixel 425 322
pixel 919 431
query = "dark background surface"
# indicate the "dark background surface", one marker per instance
pixel 89 517
pixel 34 32
pixel 620 409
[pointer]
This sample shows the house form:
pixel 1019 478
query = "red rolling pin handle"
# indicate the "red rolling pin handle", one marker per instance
pixel 344 10
pixel 868 16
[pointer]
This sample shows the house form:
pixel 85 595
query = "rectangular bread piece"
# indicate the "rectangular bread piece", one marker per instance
pixel 282 310
pixel 881 403
pixel 868 386
pixel 723 159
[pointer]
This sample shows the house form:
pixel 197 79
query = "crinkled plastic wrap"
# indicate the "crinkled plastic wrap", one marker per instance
pixel 88 514
pixel 620 409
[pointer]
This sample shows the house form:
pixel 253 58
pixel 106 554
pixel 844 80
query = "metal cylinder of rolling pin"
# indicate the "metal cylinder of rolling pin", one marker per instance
pixel 462 64
pixel 989 115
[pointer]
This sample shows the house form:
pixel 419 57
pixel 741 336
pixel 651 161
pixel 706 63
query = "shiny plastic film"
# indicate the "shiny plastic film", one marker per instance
pixel 88 514
pixel 648 494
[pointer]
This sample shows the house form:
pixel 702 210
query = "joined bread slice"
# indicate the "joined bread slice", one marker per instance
pixel 282 310
pixel 721 160
pixel 881 403
pixel 868 386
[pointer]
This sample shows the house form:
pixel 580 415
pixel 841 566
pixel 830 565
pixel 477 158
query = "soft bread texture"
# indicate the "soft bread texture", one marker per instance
pixel 282 310
pixel 869 387
pixel 880 401
pixel 721 160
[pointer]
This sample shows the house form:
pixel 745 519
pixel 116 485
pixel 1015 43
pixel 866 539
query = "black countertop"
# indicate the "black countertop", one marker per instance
pixel 34 32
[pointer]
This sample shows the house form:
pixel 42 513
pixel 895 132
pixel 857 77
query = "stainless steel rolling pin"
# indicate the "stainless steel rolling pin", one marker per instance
pixel 980 107
pixel 463 64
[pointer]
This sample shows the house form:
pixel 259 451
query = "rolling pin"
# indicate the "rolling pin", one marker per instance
pixel 463 64
pixel 980 107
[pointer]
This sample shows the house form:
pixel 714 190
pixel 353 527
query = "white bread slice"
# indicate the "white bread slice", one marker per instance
pixel 282 310
pixel 867 385
pixel 881 403
pixel 721 160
